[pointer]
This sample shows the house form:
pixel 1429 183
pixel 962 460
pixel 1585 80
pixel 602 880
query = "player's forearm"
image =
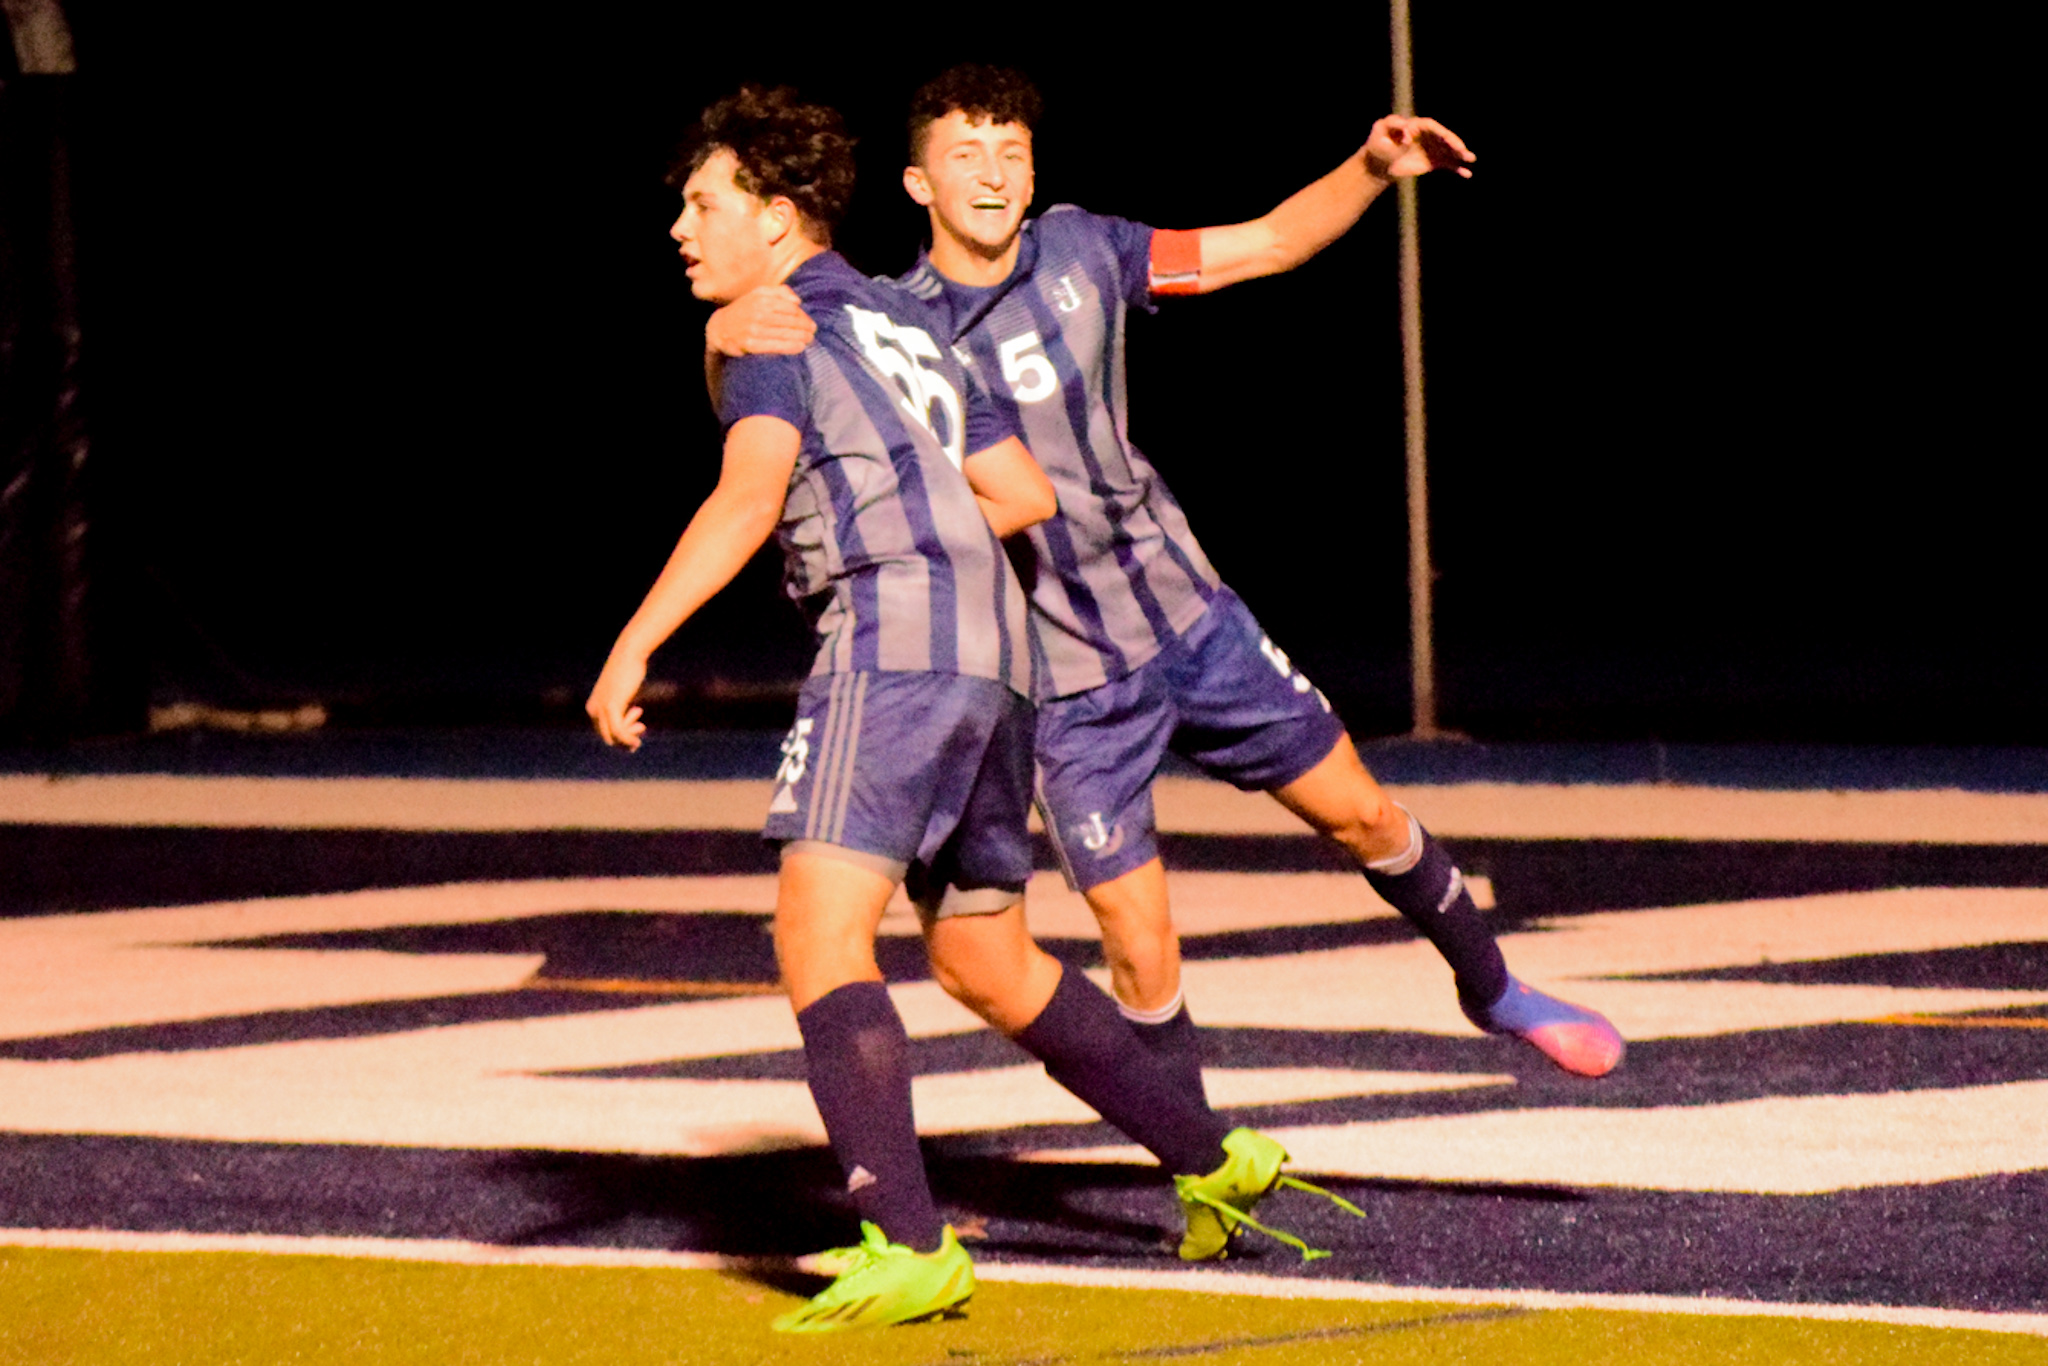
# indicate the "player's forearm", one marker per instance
pixel 1298 227
pixel 1006 520
pixel 1012 490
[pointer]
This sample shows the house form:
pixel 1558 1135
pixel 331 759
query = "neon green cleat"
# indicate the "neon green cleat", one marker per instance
pixel 1217 1203
pixel 881 1282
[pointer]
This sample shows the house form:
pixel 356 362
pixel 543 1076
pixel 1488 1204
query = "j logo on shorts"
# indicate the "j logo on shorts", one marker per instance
pixel 1100 840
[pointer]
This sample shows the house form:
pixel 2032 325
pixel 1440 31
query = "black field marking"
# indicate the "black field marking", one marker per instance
pixel 1975 1244
pixel 324 1022
pixel 2007 967
pixel 1822 1060
pixel 1187 1350
pixel 687 946
pixel 1536 878
pixel 59 868
pixel 1817 1060
pixel 980 1051
pixel 1271 941
pixel 1363 1330
pixel 736 946
pixel 564 750
pixel 654 946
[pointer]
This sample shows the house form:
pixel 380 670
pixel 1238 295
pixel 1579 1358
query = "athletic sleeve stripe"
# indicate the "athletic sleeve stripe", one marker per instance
pixel 1176 261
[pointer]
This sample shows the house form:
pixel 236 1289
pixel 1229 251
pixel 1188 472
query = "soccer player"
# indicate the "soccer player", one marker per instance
pixel 1145 648
pixel 890 481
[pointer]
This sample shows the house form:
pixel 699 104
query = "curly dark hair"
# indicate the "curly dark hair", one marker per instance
pixel 783 146
pixel 994 93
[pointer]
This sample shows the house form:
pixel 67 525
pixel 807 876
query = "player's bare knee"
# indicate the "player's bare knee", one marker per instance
pixel 1371 826
pixel 1353 830
pixel 1382 820
pixel 957 986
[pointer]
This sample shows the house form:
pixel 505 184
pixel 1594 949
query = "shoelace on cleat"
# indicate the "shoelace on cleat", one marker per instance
pixel 1339 1201
pixel 844 1261
pixel 1232 1215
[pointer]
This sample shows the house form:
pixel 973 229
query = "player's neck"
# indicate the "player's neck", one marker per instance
pixel 789 254
pixel 966 263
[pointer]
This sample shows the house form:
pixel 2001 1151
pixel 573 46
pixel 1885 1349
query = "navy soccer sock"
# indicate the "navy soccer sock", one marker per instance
pixel 1170 1034
pixel 1087 1047
pixel 857 1058
pixel 1426 887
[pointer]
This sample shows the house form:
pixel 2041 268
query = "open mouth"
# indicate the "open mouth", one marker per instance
pixel 988 202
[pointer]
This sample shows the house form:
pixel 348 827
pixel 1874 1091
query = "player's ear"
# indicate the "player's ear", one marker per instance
pixel 783 215
pixel 916 186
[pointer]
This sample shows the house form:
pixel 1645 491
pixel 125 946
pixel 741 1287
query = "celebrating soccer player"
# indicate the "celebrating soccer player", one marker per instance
pixel 1146 649
pixel 891 480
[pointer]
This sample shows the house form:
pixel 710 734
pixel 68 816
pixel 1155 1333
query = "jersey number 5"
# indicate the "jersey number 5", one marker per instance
pixel 899 352
pixel 1025 366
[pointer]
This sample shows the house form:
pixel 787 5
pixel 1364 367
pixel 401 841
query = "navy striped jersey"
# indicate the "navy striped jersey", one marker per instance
pixel 883 543
pixel 1118 573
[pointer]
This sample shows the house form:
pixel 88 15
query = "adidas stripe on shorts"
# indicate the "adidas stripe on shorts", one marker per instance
pixel 923 777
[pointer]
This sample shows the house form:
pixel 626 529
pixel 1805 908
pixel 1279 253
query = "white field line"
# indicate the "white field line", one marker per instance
pixel 1194 1282
pixel 1288 1288
pixel 1184 805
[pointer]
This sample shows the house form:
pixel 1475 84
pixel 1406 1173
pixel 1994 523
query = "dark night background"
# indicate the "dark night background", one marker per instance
pixel 395 397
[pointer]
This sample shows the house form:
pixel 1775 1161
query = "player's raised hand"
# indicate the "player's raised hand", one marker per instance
pixel 764 321
pixel 611 701
pixel 1407 146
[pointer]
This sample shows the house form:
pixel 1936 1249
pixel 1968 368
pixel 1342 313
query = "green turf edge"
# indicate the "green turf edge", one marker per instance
pixel 84 1308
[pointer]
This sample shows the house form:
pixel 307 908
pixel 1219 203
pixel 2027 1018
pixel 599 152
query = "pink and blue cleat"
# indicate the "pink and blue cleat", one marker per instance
pixel 1578 1040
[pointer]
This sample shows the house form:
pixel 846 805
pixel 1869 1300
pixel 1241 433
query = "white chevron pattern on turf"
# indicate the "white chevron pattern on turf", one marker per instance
pixel 496 1084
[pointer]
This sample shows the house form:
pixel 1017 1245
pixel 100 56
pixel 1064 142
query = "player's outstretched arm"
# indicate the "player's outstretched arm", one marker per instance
pixel 730 525
pixel 1311 219
pixel 1012 490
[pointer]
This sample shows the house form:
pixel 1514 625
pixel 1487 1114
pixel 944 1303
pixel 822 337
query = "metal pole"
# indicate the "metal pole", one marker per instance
pixel 1421 610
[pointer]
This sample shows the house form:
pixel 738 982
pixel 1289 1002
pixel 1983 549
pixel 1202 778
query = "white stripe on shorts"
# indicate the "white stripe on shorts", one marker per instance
pixel 839 748
pixel 852 751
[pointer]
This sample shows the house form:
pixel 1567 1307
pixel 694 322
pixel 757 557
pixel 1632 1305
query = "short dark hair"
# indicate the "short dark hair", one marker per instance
pixel 992 93
pixel 783 146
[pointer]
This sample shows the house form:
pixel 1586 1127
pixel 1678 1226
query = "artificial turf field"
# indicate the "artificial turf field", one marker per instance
pixel 252 1012
pixel 81 1308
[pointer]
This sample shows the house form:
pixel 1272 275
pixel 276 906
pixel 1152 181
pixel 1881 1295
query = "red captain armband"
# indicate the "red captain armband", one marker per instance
pixel 1176 261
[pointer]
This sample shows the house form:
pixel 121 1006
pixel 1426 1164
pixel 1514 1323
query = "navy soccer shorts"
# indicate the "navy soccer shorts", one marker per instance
pixel 924 778
pixel 1222 696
